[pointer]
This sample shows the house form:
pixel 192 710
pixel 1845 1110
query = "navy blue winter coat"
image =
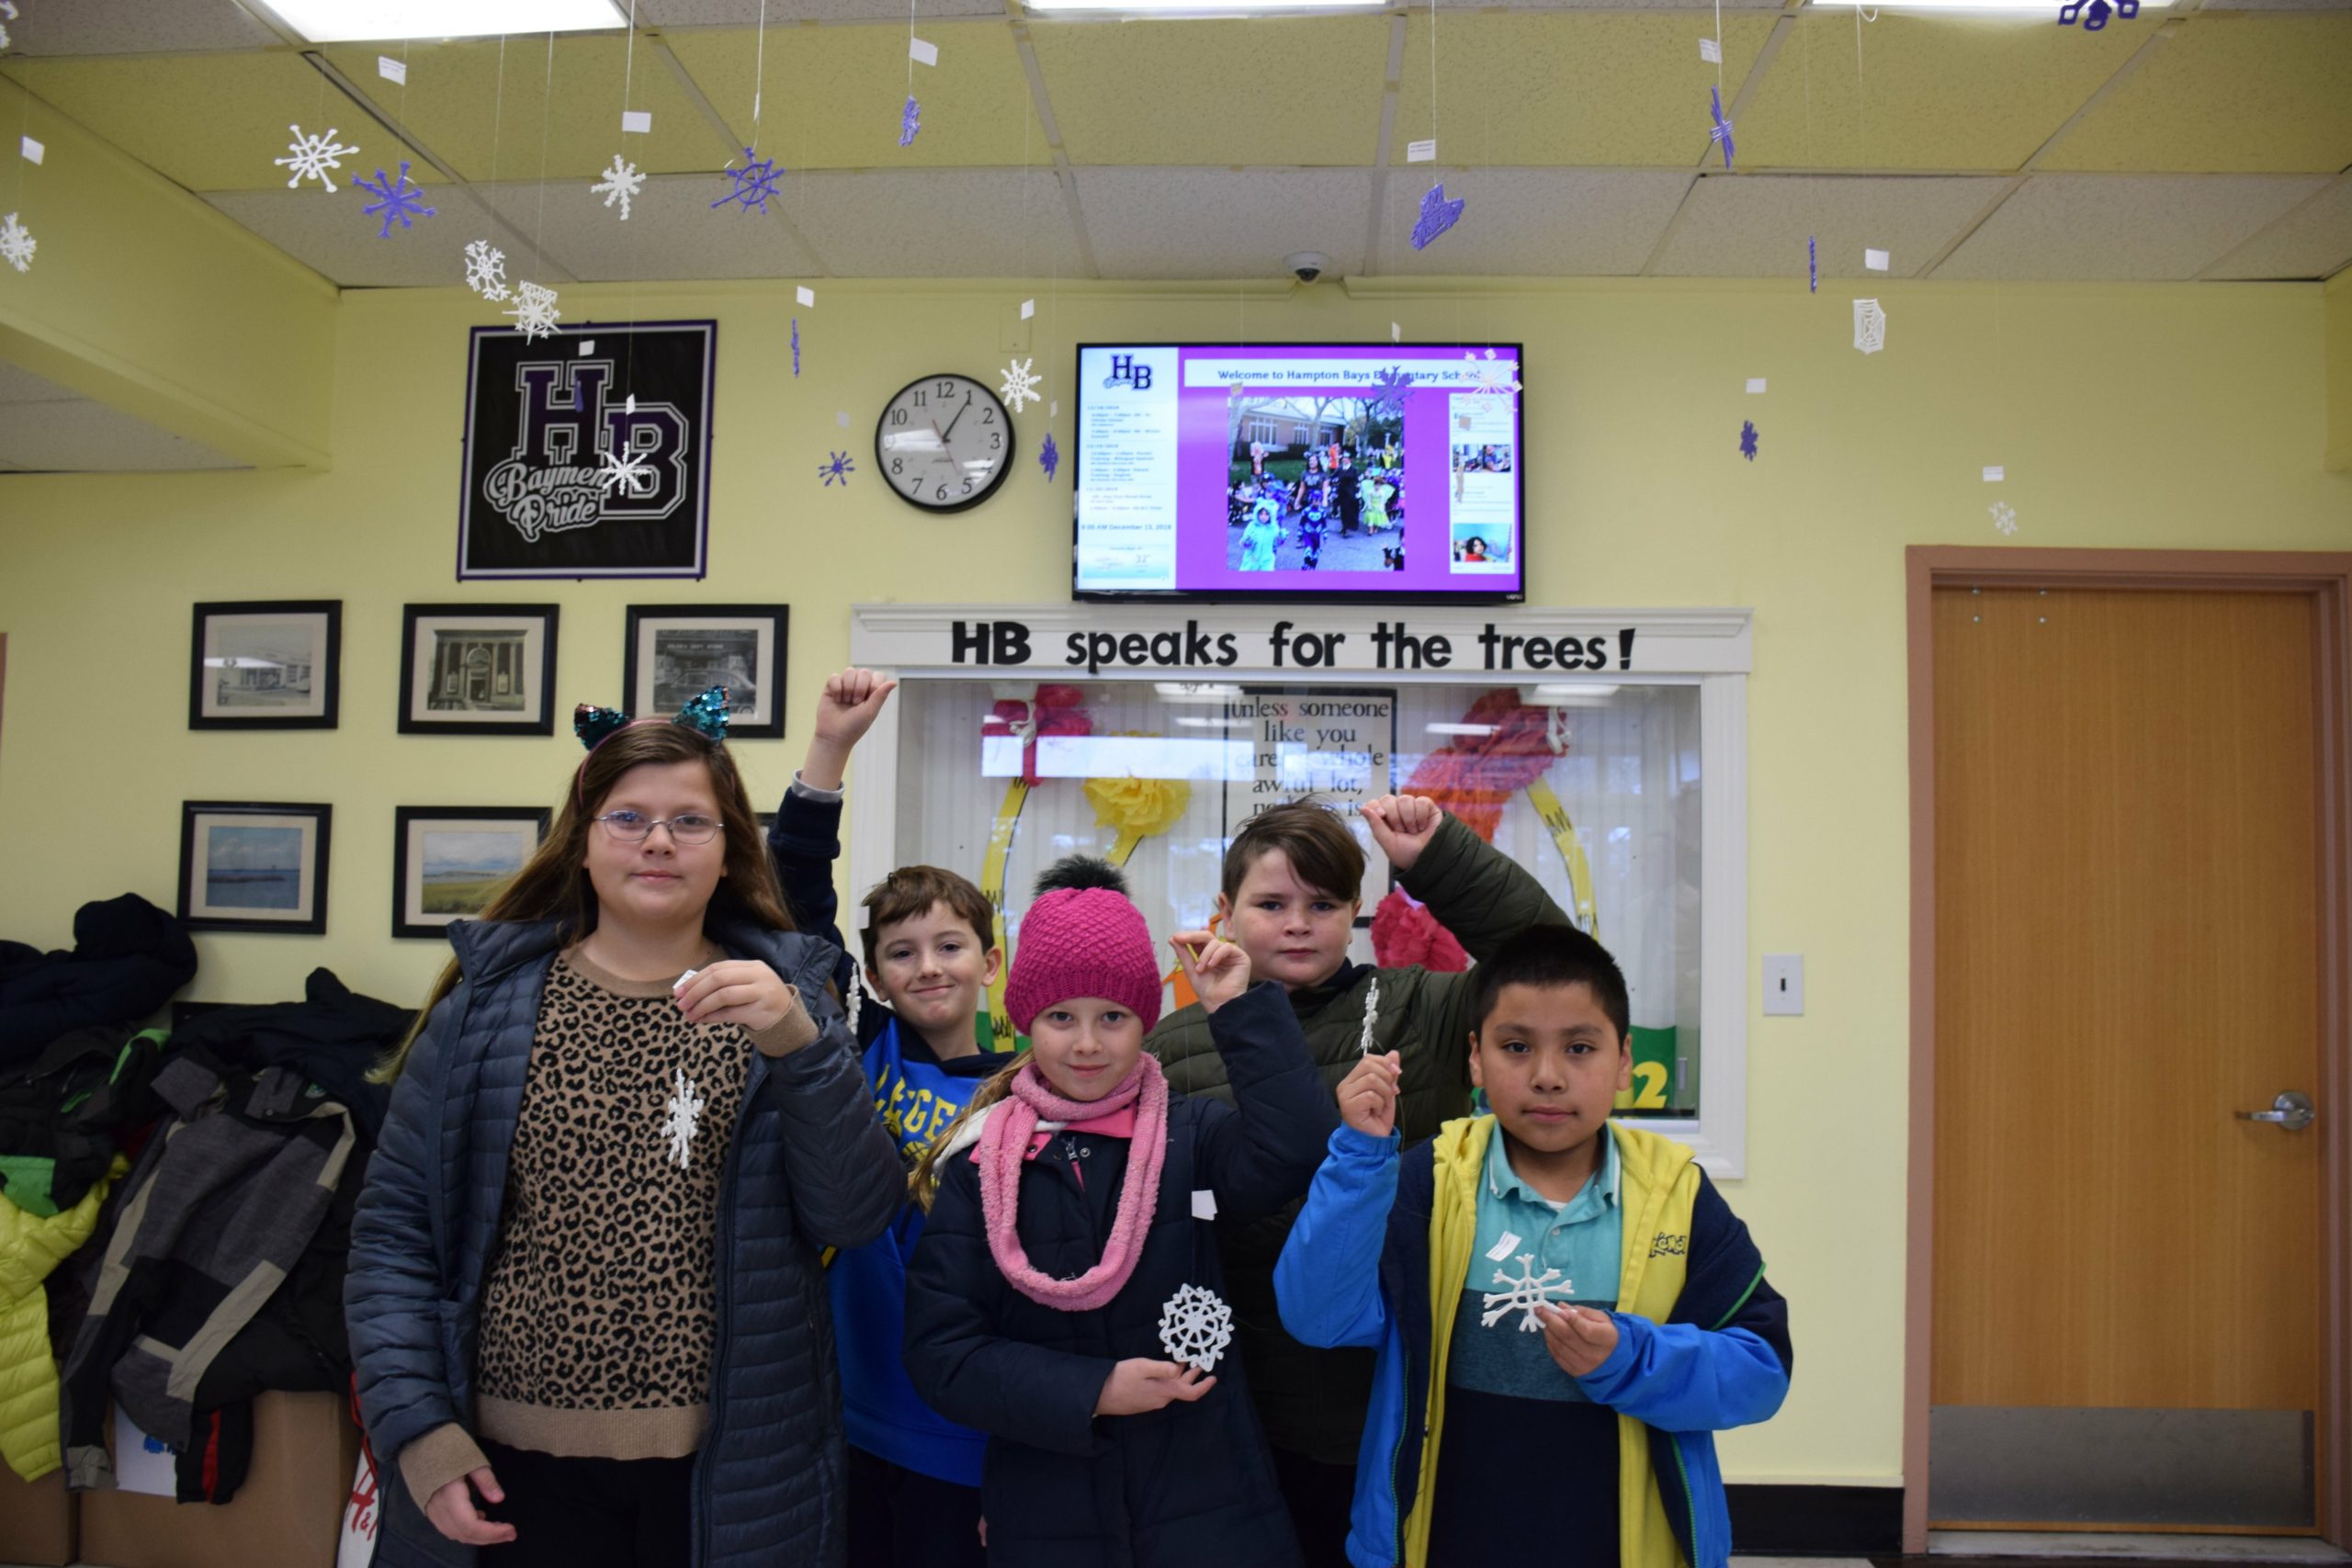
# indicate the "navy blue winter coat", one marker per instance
pixel 809 1166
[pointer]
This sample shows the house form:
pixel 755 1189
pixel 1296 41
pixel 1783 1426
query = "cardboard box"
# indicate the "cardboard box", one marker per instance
pixel 36 1520
pixel 288 1514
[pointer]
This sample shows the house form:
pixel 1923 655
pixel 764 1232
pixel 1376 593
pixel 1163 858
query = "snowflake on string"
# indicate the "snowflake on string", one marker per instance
pixel 1437 215
pixel 534 311
pixel 17 243
pixel 1371 1018
pixel 1721 130
pixel 2096 14
pixel 1870 326
pixel 685 1108
pixel 2005 516
pixel 8 11
pixel 754 182
pixel 626 472
pixel 1020 388
pixel 1811 265
pixel 486 270
pixel 796 345
pixel 1492 374
pixel 1392 386
pixel 396 198
pixel 621 182
pixel 1525 1293
pixel 1049 456
pixel 1748 439
pixel 910 121
pixel 312 156
pixel 1195 1326
pixel 838 467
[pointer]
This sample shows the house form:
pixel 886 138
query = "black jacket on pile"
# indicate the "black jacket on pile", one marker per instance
pixel 332 1037
pixel 128 959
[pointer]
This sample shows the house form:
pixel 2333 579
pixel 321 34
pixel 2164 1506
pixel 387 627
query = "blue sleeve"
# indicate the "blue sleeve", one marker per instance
pixel 1680 1377
pixel 1328 1279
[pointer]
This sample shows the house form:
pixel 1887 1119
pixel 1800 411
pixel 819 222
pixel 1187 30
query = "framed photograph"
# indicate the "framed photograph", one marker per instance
pixel 266 665
pixel 253 866
pixel 478 668
pixel 677 651
pixel 448 861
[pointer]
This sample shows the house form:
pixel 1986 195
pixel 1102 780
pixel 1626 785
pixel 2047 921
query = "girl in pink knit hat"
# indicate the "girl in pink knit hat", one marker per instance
pixel 1066 1296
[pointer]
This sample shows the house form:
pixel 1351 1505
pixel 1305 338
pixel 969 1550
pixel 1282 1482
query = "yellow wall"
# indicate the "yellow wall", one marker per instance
pixel 2127 417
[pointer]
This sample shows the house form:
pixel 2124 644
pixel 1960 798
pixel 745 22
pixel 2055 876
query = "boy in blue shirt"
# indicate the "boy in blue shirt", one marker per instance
pixel 1542 1287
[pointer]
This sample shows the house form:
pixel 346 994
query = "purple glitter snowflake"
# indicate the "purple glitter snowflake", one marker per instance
pixel 2096 14
pixel 838 467
pixel 754 182
pixel 1748 439
pixel 1811 265
pixel 910 121
pixel 1049 456
pixel 397 198
pixel 1722 130
pixel 1438 215
pixel 796 345
pixel 1393 386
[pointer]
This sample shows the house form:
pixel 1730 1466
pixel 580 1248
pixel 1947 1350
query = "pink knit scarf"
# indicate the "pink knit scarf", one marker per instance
pixel 1004 1146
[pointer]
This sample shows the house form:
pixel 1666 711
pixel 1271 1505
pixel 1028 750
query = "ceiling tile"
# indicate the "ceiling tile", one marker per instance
pixel 2145 227
pixel 937 223
pixel 1533 222
pixel 747 12
pixel 1917 90
pixel 672 231
pixel 1757 225
pixel 18 385
pixel 833 96
pixel 1221 222
pixel 1567 87
pixel 2312 241
pixel 1267 91
pixel 215 121
pixel 2232 93
pixel 80 436
pixel 135 27
pixel 330 235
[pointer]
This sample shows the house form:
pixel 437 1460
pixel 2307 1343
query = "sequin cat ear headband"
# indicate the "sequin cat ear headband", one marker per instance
pixel 706 715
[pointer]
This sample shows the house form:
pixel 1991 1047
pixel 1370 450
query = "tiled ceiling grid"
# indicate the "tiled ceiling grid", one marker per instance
pixel 2195 141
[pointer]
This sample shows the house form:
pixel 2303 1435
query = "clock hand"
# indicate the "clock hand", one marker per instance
pixel 959 415
pixel 945 454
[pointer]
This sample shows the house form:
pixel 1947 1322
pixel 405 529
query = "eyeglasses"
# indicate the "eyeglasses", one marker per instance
pixel 632 828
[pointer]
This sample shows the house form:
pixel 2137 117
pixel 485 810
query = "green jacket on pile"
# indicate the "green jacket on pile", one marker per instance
pixel 1313 1400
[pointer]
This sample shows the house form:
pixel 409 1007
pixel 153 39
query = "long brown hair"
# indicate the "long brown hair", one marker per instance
pixel 922 1183
pixel 553 884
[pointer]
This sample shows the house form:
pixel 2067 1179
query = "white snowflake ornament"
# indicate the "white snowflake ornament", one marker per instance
pixel 2005 516
pixel 1870 326
pixel 621 182
pixel 534 311
pixel 486 270
pixel 1525 1293
pixel 1371 1017
pixel 1492 374
pixel 1195 1326
pixel 625 472
pixel 312 157
pixel 1020 387
pixel 17 243
pixel 685 1111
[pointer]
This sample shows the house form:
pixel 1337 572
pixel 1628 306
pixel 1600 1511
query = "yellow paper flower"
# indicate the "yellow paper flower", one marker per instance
pixel 1137 808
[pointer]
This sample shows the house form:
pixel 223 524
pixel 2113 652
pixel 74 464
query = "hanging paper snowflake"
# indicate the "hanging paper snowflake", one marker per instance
pixel 2005 516
pixel 838 467
pixel 1811 265
pixel 534 311
pixel 17 243
pixel 312 156
pixel 754 183
pixel 1195 1326
pixel 685 1109
pixel 486 270
pixel 1437 216
pixel 1748 439
pixel 2096 14
pixel 796 345
pixel 1371 1017
pixel 1391 387
pixel 621 182
pixel 910 121
pixel 1492 374
pixel 1523 1294
pixel 9 13
pixel 396 198
pixel 1020 388
pixel 1049 456
pixel 1870 326
pixel 625 472
pixel 1721 130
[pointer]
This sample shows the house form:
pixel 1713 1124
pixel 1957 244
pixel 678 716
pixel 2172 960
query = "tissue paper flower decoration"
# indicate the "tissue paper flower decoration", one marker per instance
pixel 1137 808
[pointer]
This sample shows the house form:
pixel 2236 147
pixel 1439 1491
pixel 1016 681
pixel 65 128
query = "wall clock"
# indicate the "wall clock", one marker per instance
pixel 943 443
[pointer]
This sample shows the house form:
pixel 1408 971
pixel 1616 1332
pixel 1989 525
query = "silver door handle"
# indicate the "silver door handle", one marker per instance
pixel 2292 1110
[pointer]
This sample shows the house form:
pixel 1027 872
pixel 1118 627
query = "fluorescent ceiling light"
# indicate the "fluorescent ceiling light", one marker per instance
pixel 1194 691
pixel 340 21
pixel 1986 5
pixel 1460 728
pixel 1196 9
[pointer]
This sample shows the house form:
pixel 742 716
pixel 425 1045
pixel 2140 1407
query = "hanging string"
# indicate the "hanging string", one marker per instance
pixel 1719 48
pixel 547 112
pixel 628 56
pixel 1432 71
pixel 910 47
pixel 759 75
pixel 497 116
pixel 1861 104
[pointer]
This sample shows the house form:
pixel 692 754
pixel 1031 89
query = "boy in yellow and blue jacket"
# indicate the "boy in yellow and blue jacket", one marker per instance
pixel 1565 1308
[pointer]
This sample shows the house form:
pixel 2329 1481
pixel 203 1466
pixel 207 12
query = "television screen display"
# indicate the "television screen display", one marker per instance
pixel 1302 472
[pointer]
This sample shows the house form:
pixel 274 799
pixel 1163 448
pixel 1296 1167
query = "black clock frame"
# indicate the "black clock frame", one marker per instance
pixel 941 508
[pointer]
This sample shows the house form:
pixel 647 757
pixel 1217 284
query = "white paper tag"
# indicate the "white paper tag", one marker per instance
pixel 638 120
pixel 1503 1247
pixel 1028 308
pixel 1053 408
pixel 1421 152
pixel 391 69
pixel 587 345
pixel 1710 51
pixel 840 417
pixel 1874 260
pixel 1204 1203
pixel 923 51
pixel 680 983
pixel 34 152
pixel 804 296
pixel 1756 383
pixel 1395 333
pixel 1995 473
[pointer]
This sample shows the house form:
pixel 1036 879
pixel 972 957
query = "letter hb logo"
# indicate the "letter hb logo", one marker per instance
pixel 1125 372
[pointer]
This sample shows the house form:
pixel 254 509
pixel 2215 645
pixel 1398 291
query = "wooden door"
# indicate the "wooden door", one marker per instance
pixel 2127 1309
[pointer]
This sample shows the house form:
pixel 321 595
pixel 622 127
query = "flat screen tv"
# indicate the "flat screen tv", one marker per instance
pixel 1300 472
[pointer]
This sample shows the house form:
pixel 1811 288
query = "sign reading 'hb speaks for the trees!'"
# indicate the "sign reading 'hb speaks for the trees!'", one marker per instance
pixel 588 452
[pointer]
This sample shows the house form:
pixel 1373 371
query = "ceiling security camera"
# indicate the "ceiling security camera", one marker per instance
pixel 1306 266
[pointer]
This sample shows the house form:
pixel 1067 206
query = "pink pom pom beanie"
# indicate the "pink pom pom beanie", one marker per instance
pixel 1083 941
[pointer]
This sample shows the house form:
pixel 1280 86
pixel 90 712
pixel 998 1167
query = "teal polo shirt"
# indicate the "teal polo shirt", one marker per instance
pixel 1583 1239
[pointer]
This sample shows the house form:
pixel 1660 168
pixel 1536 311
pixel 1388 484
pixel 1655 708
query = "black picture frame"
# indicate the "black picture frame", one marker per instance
pixel 706 629
pixel 411 872
pixel 243 658
pixel 494 642
pixel 293 897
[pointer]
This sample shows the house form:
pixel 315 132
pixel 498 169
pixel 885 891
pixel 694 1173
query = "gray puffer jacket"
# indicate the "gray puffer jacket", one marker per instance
pixel 809 1166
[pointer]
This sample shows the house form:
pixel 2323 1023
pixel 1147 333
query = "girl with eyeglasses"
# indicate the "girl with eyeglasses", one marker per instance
pixel 584 1298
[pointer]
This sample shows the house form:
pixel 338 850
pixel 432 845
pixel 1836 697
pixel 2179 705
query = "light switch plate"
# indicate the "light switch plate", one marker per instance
pixel 1785 984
